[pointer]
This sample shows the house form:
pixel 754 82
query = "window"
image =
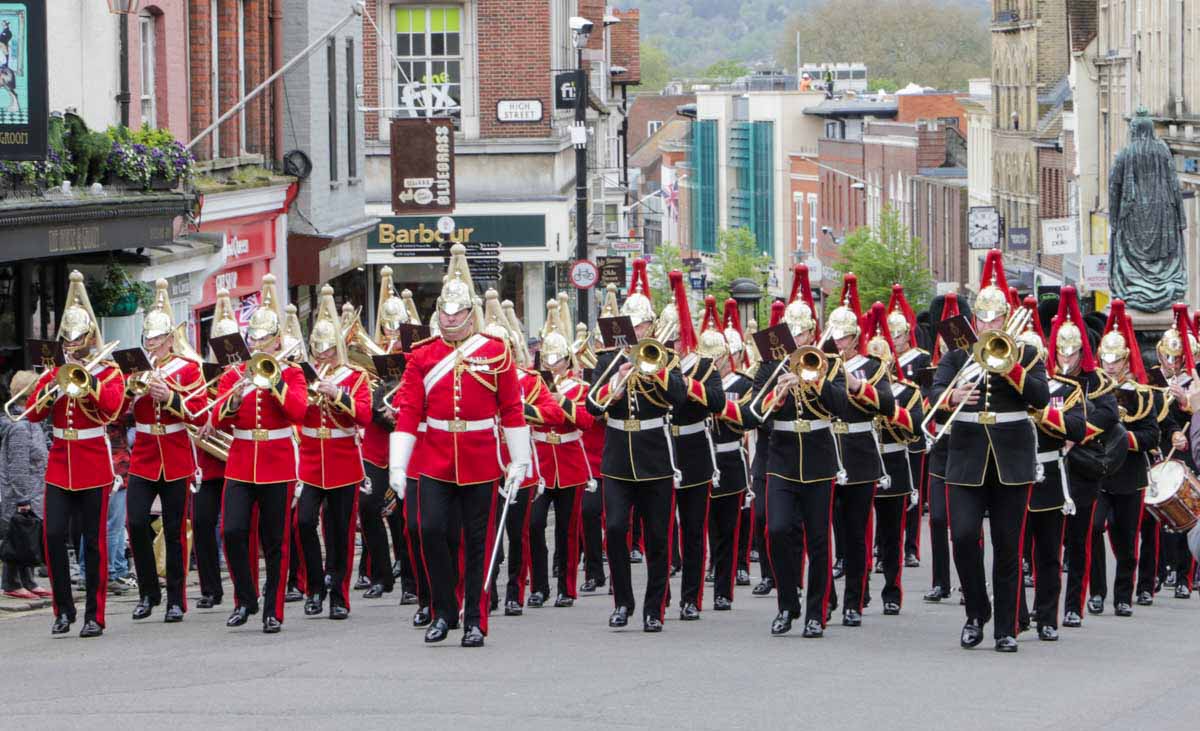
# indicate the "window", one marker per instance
pixel 331 92
pixel 652 127
pixel 429 49
pixel 149 109
pixel 351 111
pixel 812 218
pixel 798 212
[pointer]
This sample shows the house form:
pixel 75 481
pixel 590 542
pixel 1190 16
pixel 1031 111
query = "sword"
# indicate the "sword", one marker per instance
pixel 511 486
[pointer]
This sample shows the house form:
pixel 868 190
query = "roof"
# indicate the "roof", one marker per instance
pixel 956 172
pixel 855 107
pixel 650 150
pixel 1082 23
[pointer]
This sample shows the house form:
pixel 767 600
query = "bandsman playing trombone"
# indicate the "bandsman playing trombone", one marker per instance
pixel 262 401
pixel 80 398
pixel 163 461
pixel 991 456
pixel 331 468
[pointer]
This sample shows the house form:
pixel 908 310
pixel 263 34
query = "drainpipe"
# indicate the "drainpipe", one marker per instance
pixel 276 25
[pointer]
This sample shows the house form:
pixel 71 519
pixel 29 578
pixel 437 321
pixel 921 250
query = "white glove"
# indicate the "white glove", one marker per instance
pixel 520 456
pixel 365 488
pixel 591 485
pixel 914 497
pixel 541 488
pixel 117 482
pixel 400 449
pixel 749 501
pixel 296 495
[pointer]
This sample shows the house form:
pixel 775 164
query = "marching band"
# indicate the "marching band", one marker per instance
pixel 645 437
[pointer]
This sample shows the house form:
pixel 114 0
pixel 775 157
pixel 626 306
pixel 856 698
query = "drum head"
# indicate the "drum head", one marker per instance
pixel 1165 480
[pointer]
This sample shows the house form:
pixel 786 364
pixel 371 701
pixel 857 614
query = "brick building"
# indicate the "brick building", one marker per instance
pixel 158 73
pixel 649 112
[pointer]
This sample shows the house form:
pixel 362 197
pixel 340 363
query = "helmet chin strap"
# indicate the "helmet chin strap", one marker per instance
pixel 461 332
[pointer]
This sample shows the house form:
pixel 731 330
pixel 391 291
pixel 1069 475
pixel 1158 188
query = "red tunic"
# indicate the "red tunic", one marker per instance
pixel 269 415
pixel 156 453
pixel 469 389
pixel 562 449
pixel 541 407
pixel 329 454
pixel 79 457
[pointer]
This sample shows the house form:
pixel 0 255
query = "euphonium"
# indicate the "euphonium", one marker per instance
pixel 809 364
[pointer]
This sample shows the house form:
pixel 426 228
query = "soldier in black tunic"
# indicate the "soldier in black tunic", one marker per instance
pixel 911 360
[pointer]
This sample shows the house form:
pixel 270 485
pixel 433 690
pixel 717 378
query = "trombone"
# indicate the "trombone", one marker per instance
pixel 263 370
pixel 649 356
pixel 315 397
pixel 995 353
pixel 808 363
pixel 71 379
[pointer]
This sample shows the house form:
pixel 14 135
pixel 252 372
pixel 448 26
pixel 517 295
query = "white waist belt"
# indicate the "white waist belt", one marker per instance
pixel 556 438
pixel 262 435
pixel 1044 457
pixel 1004 417
pixel 71 435
pixel 326 432
pixel 895 447
pixel 422 427
pixel 801 425
pixel 159 429
pixel 857 427
pixel 460 425
pixel 630 425
pixel 729 446
pixel 683 431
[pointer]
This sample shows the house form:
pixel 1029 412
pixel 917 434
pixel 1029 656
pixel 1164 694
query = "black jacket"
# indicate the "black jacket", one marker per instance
pixel 803 456
pixel 1081 409
pixel 860 452
pixel 1010 445
pixel 730 428
pixel 705 398
pixel 1136 404
pixel 902 427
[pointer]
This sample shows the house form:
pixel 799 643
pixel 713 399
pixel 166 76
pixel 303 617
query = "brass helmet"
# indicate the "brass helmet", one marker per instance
pixel 1069 339
pixel 992 302
pixel 897 325
pixel 638 306
pixel 1113 347
pixel 734 339
pixel 1069 334
pixel 564 314
pixel 1171 344
pixel 555 346
pixel 458 291
pixel 844 320
pixel 711 342
pixel 799 317
pixel 551 324
pixel 1032 339
pixel 293 334
pixel 267 320
pixel 901 318
pixel 610 309
pixel 158 320
pixel 516 334
pixel 880 343
pixel 495 323
pixel 327 328
pixel 223 321
pixel 77 318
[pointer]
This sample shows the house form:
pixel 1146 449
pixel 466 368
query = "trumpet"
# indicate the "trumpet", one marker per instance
pixel 315 397
pixel 649 356
pixel 807 362
pixel 71 379
pixel 263 370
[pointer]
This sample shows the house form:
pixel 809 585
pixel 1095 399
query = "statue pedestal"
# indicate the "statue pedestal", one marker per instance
pixel 1151 321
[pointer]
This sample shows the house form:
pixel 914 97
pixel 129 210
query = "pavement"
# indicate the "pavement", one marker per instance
pixel 565 669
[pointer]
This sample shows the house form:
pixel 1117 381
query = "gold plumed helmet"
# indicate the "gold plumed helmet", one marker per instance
pixel 1069 339
pixel 609 309
pixel 77 318
pixel 458 291
pixel 897 324
pixel 711 341
pixel 494 322
pixel 392 312
pixel 1170 344
pixel 842 323
pixel 551 324
pixel 1113 348
pixel 799 317
pixel 638 306
pixel 223 321
pixel 1030 337
pixel 293 334
pixel 327 328
pixel 516 334
pixel 158 320
pixel 555 346
pixel 267 320
pixel 992 302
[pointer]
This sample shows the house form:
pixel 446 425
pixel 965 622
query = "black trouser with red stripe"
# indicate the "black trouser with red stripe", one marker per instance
pixel 745 533
pixel 1077 546
pixel 655 502
pixel 1045 528
pixel 444 508
pixel 1175 554
pixel 1121 514
pixel 912 519
pixel 1005 506
pixel 592 517
pixel 566 502
pixel 891 514
pixel 516 529
pixel 173 497
pixel 273 501
pixel 765 569
pixel 856 539
pixel 376 551
pixel 412 532
pixel 939 533
pixel 339 518
pixel 692 506
pixel 1149 548
pixel 206 512
pixel 725 536
pixel 88 509
pixel 798 519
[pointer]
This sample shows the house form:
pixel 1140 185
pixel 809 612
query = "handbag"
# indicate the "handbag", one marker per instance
pixel 1100 458
pixel 22 543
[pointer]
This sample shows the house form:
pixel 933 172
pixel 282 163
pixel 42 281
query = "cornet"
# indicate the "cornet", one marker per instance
pixel 72 379
pixel 808 363
pixel 263 370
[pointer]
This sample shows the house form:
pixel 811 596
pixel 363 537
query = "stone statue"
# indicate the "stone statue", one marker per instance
pixel 1147 267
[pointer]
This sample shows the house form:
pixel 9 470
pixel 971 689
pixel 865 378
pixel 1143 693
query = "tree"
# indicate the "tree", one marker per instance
pixel 726 70
pixel 930 42
pixel 737 257
pixel 655 68
pixel 883 257
pixel 665 258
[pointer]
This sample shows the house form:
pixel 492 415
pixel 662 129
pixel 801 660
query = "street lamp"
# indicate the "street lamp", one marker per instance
pixel 123 9
pixel 746 293
pixel 581 29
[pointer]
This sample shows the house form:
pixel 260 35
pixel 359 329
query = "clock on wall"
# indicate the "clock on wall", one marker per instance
pixel 983 227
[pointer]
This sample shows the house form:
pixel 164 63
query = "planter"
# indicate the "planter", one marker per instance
pixel 125 306
pixel 161 184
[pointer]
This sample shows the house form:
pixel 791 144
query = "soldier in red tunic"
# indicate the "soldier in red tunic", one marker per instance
pixel 464 385
pixel 263 411
pixel 79 473
pixel 163 460
pixel 331 468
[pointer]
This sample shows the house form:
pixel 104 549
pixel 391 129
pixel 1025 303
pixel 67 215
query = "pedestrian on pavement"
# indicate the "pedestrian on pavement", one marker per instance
pixel 22 486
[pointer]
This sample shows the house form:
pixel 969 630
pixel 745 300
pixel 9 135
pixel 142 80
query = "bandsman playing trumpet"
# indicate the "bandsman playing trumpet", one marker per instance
pixel 262 408
pixel 801 463
pixel 991 456
pixel 331 468
pixel 163 459
pixel 80 398
pixel 636 392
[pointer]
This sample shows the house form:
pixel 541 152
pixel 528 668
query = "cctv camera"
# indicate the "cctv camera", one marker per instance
pixel 581 25
pixel 826 230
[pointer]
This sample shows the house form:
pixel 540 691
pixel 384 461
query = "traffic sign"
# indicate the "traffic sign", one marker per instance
pixel 584 274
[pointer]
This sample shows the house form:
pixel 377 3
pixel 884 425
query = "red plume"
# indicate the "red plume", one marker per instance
pixel 876 320
pixel 1119 319
pixel 777 308
pixel 711 318
pixel 1068 311
pixel 1014 299
pixel 687 331
pixel 806 293
pixel 1035 322
pixel 949 309
pixel 849 298
pixel 734 320
pixel 639 278
pixel 993 272
pixel 799 279
pixel 1183 325
pixel 899 302
pixel 1196 322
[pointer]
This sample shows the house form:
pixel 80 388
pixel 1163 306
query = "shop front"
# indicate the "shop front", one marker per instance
pixel 338 259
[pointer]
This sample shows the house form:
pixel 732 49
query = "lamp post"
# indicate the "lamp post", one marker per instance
pixel 581 29
pixel 123 9
pixel 746 293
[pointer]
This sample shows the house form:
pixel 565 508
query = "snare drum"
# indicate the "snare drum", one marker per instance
pixel 1174 496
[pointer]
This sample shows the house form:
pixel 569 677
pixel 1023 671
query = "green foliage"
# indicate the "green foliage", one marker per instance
pixel 726 70
pixel 112 293
pixel 665 258
pixel 655 68
pixel 883 257
pixel 879 83
pixel 737 257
